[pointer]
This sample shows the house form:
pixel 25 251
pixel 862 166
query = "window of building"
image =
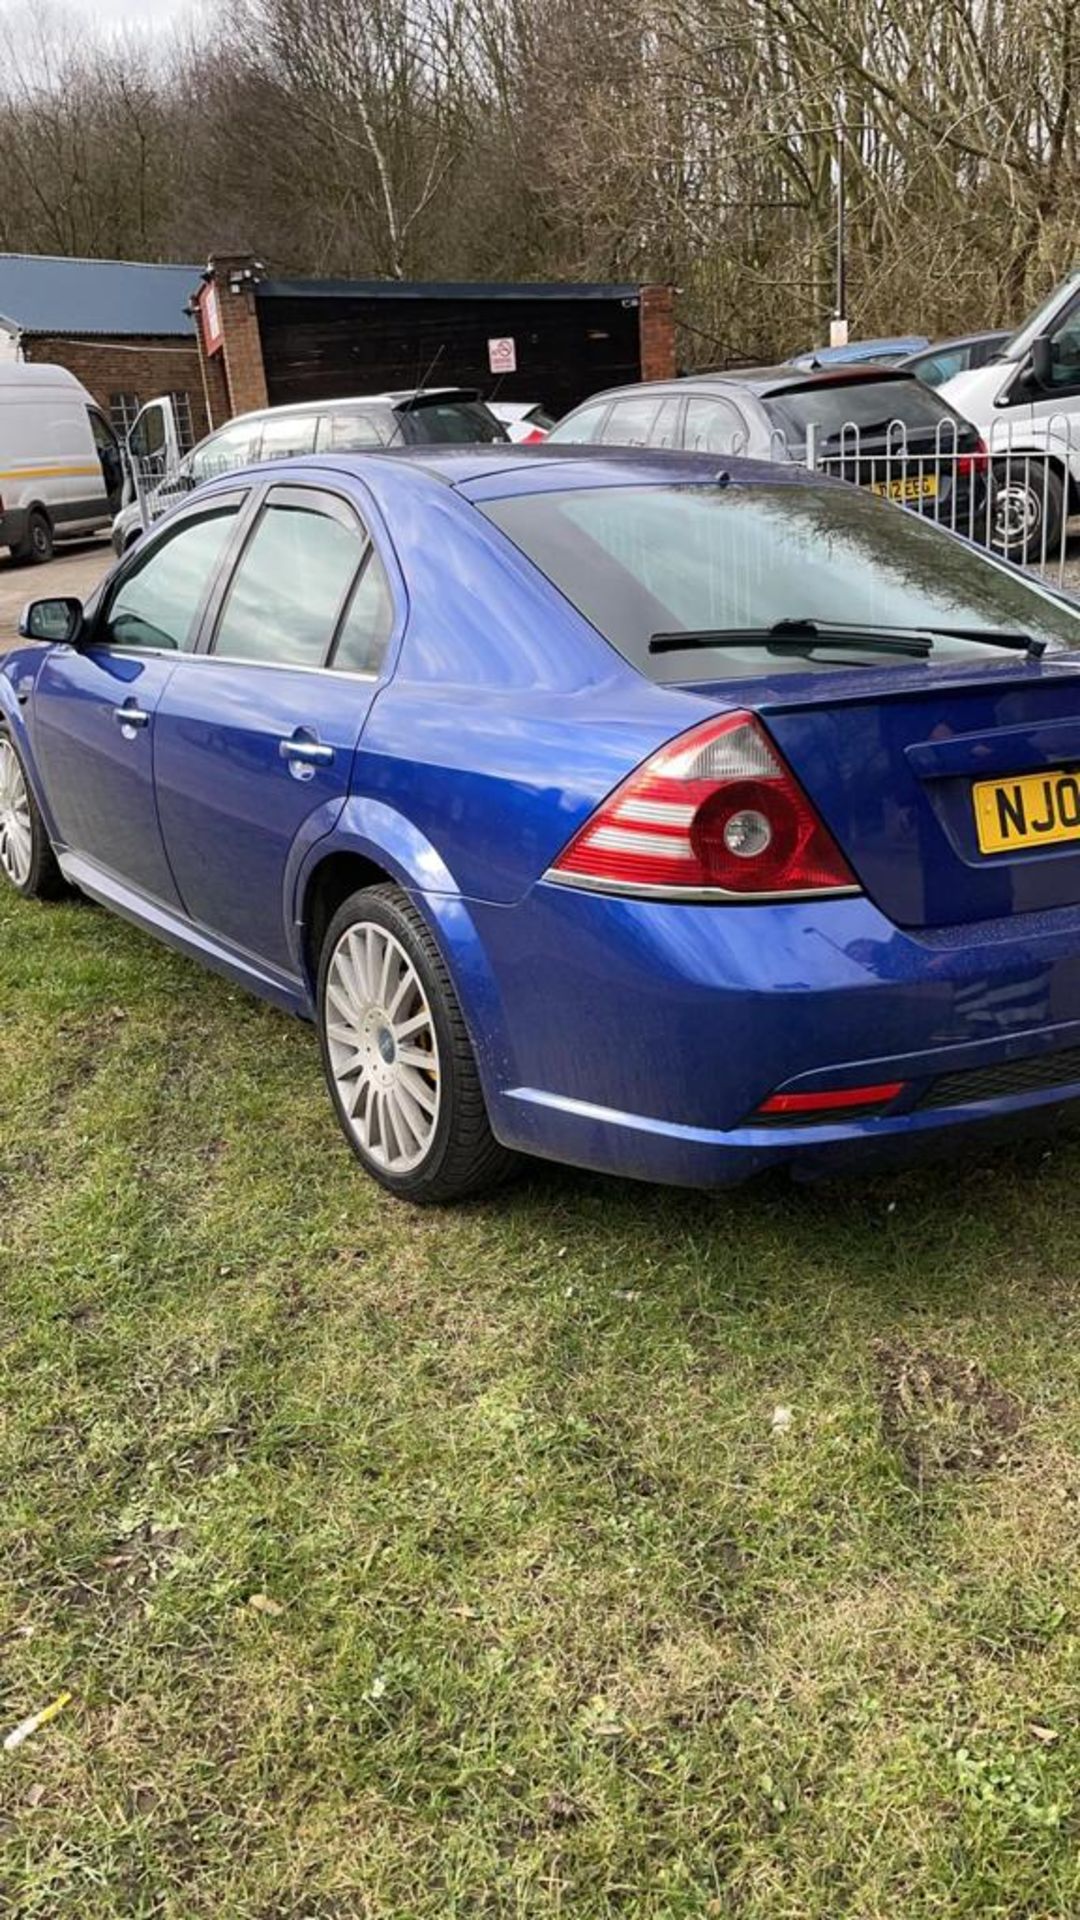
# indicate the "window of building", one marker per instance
pixel 122 410
pixel 185 429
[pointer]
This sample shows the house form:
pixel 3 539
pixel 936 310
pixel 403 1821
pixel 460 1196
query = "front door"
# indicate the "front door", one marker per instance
pixel 95 708
pixel 107 447
pixel 256 736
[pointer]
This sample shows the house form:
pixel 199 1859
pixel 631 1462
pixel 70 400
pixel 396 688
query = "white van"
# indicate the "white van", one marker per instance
pixel 61 468
pixel 1026 404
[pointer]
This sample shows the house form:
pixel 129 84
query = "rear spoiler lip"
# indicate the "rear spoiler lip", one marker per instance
pixel 438 396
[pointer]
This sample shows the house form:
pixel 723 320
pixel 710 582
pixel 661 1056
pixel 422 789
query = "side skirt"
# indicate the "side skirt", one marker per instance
pixel 244 969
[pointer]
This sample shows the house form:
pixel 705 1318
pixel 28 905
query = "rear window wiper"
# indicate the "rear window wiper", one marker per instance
pixel 805 636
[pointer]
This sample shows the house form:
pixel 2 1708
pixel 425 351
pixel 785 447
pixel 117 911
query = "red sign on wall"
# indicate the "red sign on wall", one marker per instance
pixel 209 318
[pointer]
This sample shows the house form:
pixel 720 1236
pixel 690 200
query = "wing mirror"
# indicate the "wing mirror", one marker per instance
pixel 59 622
pixel 1042 361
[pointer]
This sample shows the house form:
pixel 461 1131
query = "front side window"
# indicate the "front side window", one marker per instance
pixel 157 602
pixel 1065 351
pixel 637 561
pixel 290 587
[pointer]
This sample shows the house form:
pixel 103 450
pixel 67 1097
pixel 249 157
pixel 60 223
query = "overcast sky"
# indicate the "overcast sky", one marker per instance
pixel 142 13
pixel 150 15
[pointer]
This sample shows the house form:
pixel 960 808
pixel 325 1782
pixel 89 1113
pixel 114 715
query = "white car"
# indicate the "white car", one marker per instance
pixel 526 422
pixel 428 416
pixel 1026 405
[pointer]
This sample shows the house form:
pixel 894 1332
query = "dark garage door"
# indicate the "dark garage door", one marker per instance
pixel 322 340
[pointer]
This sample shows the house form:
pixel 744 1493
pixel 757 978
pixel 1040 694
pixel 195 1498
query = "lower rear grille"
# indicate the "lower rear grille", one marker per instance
pixel 1036 1074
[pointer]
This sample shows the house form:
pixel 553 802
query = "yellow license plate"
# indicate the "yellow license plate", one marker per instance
pixel 1032 811
pixel 913 486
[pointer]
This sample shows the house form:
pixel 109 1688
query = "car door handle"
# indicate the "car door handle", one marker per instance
pixel 309 753
pixel 131 717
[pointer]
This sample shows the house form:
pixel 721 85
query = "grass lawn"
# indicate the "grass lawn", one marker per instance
pixel 554 1616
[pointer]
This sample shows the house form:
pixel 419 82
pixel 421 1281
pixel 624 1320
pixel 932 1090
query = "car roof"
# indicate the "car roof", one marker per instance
pixel 890 346
pixel 399 396
pixel 785 379
pixel 544 468
pixel 760 381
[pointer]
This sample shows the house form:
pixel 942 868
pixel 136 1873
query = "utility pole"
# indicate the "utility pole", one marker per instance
pixel 838 330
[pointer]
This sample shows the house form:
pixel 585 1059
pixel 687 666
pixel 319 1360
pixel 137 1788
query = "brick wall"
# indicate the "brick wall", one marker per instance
pixel 145 367
pixel 240 357
pixel 656 319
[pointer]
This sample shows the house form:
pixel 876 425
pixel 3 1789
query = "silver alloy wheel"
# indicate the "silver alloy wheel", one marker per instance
pixel 382 1046
pixel 16 837
pixel 1017 516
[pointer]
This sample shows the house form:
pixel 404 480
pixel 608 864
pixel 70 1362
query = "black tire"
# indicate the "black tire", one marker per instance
pixel 36 545
pixel 1029 510
pixel 463 1157
pixel 43 879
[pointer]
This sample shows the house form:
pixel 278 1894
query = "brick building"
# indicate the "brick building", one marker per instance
pixel 276 342
pixel 124 329
pixel 228 338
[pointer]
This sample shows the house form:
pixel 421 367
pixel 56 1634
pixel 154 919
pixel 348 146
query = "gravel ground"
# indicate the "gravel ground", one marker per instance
pixel 77 568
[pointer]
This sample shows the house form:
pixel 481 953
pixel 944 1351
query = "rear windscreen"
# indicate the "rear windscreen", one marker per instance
pixel 450 423
pixel 871 406
pixel 637 561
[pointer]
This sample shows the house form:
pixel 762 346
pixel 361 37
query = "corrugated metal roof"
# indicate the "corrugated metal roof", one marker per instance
pixel 40 293
pixel 440 290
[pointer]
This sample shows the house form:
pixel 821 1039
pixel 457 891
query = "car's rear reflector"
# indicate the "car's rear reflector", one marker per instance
pixel 977 462
pixel 717 814
pixel 832 1099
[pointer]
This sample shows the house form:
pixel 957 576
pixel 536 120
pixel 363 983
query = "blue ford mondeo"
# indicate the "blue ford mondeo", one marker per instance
pixel 667 820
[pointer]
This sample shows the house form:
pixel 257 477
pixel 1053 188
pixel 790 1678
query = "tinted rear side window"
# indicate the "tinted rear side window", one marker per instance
pixel 666 559
pixel 450 423
pixel 289 589
pixel 869 405
pixel 289 434
pixel 352 432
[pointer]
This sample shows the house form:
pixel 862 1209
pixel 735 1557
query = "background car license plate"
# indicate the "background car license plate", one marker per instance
pixel 910 486
pixel 1031 811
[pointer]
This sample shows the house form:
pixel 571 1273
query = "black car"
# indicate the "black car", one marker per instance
pixel 878 427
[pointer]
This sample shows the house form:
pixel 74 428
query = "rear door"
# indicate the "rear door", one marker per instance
pixel 256 736
pixel 95 710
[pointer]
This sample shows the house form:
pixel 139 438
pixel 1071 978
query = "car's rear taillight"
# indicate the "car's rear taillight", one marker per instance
pixel 977 462
pixel 531 438
pixel 715 812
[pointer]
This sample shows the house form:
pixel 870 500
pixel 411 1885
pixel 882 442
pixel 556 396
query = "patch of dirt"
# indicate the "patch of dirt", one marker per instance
pixel 942 1415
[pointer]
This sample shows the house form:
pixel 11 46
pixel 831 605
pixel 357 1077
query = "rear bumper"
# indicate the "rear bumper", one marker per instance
pixel 640 1038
